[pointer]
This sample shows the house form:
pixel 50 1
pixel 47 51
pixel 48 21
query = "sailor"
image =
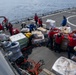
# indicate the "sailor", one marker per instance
pixel 5 22
pixel 50 38
pixel 10 27
pixel 1 27
pixel 23 25
pixel 30 36
pixel 58 40
pixel 36 18
pixel 40 22
pixel 64 21
pixel 71 44
pixel 15 31
pixel 32 27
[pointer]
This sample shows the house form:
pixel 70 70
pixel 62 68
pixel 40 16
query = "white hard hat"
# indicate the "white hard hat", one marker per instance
pixel 75 48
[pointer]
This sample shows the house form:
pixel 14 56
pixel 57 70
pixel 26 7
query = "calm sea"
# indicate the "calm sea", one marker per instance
pixel 18 9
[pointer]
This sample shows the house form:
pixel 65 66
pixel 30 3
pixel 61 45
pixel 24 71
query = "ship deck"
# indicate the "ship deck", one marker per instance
pixel 43 52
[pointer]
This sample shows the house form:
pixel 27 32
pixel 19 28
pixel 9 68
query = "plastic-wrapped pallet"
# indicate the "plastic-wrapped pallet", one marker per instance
pixel 43 30
pixel 39 37
pixel 15 51
pixel 50 23
pixel 65 29
pixel 24 30
pixel 37 34
pixel 6 45
pixel 14 56
pixel 15 47
pixel 21 38
pixel 11 46
pixel 37 41
pixel 64 66
pixel 3 37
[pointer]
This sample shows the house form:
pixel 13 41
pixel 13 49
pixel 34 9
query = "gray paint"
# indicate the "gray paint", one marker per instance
pixel 4 67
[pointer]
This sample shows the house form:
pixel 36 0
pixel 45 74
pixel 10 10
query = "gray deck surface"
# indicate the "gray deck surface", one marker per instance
pixel 49 57
pixel 44 53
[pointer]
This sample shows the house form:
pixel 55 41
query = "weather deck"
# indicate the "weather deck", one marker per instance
pixel 45 53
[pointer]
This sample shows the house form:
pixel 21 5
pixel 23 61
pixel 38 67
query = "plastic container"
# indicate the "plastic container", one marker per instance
pixel 15 47
pixel 15 56
pixel 6 45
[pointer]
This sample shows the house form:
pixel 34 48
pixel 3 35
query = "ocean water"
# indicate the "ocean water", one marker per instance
pixel 19 9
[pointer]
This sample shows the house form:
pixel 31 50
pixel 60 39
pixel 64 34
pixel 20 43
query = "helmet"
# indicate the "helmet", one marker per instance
pixel 59 34
pixel 75 48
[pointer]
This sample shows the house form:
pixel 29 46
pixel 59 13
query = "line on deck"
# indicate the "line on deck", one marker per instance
pixel 60 13
pixel 70 22
pixel 57 13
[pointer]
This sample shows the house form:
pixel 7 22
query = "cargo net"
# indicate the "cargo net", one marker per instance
pixel 32 67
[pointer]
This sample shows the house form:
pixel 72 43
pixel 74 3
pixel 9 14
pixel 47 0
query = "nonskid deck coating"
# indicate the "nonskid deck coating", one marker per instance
pixel 43 52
